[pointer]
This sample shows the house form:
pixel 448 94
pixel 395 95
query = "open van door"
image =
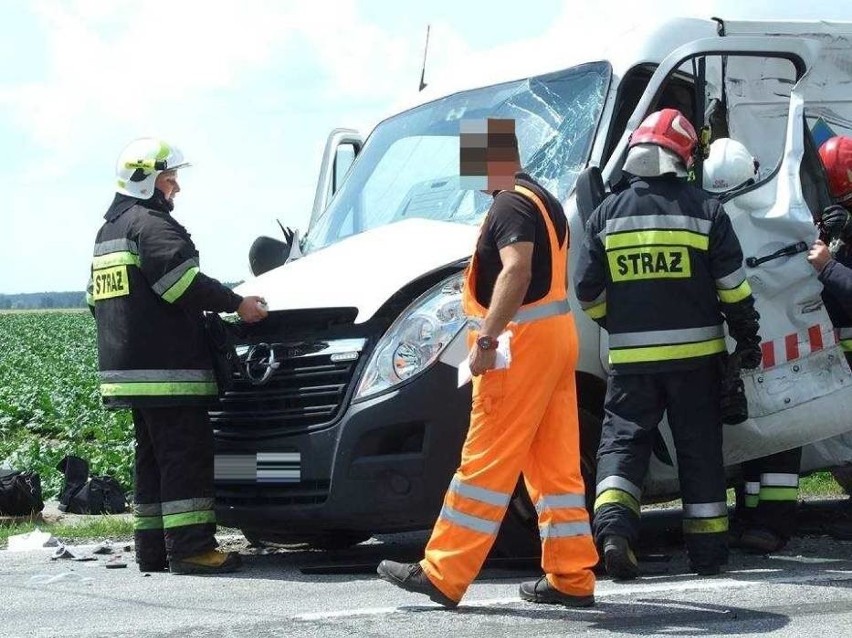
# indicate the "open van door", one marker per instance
pixel 341 148
pixel 760 83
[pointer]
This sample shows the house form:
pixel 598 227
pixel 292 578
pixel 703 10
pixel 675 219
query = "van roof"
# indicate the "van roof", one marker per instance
pixel 623 50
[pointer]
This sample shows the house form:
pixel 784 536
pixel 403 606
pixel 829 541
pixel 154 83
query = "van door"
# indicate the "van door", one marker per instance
pixel 755 89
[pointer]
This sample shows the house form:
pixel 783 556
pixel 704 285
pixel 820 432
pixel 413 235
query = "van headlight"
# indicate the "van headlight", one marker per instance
pixel 416 339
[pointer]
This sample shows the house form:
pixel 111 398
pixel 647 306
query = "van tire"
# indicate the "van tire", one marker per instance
pixel 518 536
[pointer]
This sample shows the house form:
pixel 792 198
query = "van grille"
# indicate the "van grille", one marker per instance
pixel 305 388
pixel 304 493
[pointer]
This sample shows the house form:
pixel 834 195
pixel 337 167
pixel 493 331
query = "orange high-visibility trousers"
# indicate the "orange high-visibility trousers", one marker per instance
pixel 523 420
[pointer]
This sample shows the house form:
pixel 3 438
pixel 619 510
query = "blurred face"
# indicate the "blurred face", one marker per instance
pixel 488 155
pixel 168 184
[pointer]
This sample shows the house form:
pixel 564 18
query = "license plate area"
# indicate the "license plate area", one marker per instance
pixel 261 468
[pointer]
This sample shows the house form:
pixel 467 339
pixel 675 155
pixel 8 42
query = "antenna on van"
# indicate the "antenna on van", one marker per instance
pixel 425 53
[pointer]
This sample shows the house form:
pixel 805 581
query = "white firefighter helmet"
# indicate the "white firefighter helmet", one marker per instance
pixel 728 166
pixel 141 161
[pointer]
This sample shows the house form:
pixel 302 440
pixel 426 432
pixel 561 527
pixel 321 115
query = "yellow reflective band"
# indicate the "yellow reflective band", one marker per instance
pixel 752 500
pixel 171 521
pixel 779 493
pixel 666 353
pixel 734 295
pixel 652 262
pixel 110 282
pixel 147 522
pixel 846 345
pixel 176 291
pixel 164 151
pixel 184 388
pixel 598 311
pixel 115 259
pixel 657 237
pixel 718 525
pixel 616 497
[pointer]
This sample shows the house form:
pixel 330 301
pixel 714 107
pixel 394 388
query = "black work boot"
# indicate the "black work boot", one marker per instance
pixel 619 559
pixel 541 591
pixel 760 540
pixel 410 577
pixel 212 562
pixel 147 567
pixel 708 569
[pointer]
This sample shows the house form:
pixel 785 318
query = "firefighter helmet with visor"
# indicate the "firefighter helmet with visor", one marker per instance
pixel 141 162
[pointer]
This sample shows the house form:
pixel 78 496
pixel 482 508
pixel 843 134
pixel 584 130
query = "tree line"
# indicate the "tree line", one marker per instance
pixel 43 300
pixel 52 300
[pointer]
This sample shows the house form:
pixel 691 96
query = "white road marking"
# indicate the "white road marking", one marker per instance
pixel 608 589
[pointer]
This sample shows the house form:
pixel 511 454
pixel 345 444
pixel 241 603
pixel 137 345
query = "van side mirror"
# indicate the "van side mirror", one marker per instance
pixel 267 253
pixel 589 192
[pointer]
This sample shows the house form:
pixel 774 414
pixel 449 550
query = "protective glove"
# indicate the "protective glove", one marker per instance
pixel 749 353
pixel 836 221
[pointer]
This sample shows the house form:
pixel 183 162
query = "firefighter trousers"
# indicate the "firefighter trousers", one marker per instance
pixel 174 514
pixel 523 420
pixel 771 492
pixel 634 407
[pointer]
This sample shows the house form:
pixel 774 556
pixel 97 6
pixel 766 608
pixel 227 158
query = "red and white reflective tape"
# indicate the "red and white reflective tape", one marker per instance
pixel 797 345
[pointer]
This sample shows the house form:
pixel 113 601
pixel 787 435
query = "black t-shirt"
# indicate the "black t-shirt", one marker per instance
pixel 514 218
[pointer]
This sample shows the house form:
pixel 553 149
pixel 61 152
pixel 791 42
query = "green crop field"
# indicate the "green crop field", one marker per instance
pixel 49 401
pixel 50 406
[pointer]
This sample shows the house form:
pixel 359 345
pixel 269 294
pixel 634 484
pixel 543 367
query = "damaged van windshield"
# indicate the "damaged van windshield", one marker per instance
pixel 409 166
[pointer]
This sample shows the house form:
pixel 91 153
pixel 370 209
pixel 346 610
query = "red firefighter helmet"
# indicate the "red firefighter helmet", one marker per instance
pixel 670 129
pixel 836 156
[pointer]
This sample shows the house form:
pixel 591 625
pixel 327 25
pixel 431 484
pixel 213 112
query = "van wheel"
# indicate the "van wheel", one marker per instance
pixel 518 536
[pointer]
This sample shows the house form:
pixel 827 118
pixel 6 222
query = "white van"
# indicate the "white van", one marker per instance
pixel 347 419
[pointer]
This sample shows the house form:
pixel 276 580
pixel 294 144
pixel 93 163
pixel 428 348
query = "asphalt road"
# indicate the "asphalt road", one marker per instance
pixel 805 590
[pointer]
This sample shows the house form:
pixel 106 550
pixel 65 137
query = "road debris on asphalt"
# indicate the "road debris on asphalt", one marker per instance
pixel 35 539
pixel 63 551
pixel 64 577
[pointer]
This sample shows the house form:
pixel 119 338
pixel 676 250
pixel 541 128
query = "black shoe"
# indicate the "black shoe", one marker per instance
pixel 147 567
pixel 212 562
pixel 619 559
pixel 410 577
pixel 706 570
pixel 760 540
pixel 541 591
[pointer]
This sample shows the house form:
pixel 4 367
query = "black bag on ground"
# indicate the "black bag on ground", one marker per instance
pixel 20 494
pixel 226 362
pixel 82 495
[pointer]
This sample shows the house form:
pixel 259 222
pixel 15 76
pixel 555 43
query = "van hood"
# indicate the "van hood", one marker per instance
pixel 365 270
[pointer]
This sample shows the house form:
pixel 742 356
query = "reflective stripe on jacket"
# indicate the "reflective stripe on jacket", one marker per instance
pixel 659 266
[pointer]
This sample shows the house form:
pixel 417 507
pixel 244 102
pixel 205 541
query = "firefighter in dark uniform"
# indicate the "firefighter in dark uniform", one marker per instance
pixel 765 517
pixel 831 256
pixel 659 269
pixel 148 295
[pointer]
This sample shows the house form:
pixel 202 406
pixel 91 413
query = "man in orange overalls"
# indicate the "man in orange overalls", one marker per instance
pixel 524 417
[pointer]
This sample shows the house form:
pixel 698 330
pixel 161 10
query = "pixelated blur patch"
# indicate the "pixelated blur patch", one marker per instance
pixel 488 153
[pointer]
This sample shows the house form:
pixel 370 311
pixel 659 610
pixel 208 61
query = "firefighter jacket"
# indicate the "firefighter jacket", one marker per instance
pixel 148 295
pixel 836 280
pixel 659 269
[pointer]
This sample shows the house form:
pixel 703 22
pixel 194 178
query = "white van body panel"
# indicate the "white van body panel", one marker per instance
pixel 387 258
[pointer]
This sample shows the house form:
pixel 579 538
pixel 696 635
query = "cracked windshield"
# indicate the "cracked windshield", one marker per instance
pixel 409 167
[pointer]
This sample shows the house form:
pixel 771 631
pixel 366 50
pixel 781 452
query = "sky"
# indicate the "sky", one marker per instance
pixel 248 90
